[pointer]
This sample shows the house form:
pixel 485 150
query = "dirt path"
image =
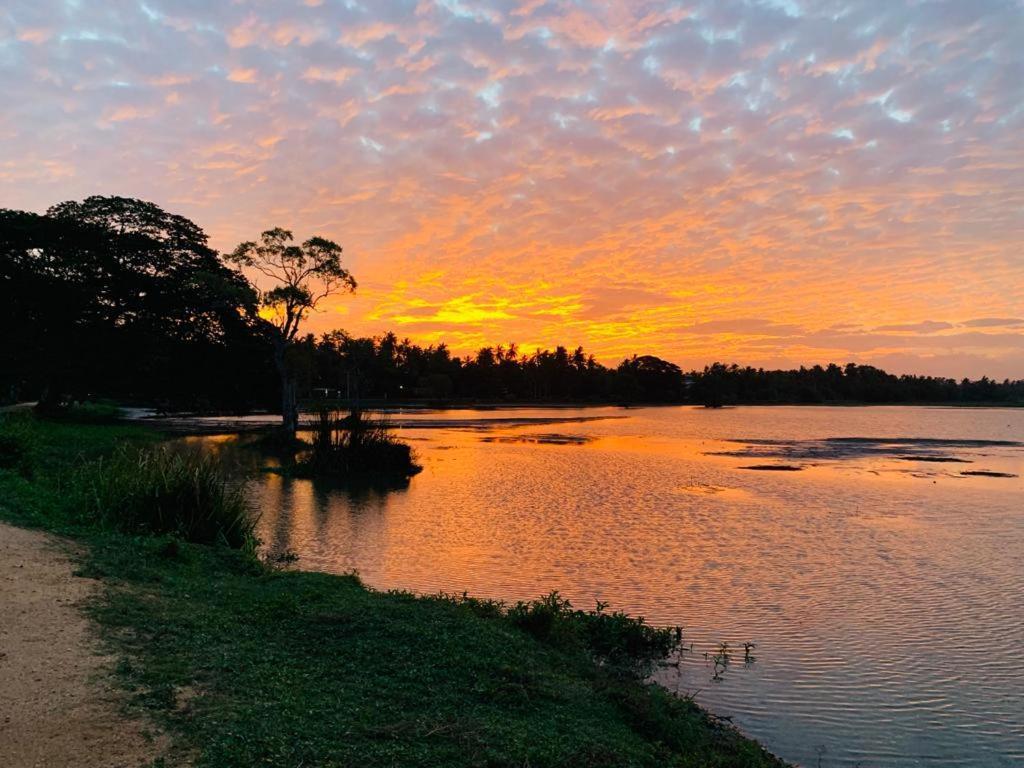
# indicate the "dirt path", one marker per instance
pixel 55 709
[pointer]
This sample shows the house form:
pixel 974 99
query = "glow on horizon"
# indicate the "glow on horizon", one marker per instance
pixel 774 183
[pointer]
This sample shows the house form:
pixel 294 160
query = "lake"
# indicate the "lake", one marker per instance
pixel 874 556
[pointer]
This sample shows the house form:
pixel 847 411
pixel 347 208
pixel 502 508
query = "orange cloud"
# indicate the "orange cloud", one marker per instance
pixel 699 183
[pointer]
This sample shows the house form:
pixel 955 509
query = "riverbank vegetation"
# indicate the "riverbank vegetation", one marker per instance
pixel 115 297
pixel 246 664
pixel 158 490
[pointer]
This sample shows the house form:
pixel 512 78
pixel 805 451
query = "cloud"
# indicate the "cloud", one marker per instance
pixel 694 179
pixel 243 75
pixel 925 326
pixel 605 301
pixel 744 327
pixel 995 322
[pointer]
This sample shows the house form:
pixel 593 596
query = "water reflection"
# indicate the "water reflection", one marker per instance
pixel 346 520
pixel 884 590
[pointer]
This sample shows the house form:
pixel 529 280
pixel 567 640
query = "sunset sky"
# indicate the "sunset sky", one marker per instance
pixel 780 182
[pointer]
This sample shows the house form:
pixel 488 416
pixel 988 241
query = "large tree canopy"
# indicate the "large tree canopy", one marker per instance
pixel 150 268
pixel 116 295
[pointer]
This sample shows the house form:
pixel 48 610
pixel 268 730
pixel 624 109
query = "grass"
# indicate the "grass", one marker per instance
pixel 247 665
pixel 34 488
pixel 86 412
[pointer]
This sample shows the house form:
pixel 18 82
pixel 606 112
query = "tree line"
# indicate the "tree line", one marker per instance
pixel 115 297
pixel 387 368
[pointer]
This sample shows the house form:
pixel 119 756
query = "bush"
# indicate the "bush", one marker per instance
pixel 354 448
pixel 164 491
pixel 17 445
pixel 623 645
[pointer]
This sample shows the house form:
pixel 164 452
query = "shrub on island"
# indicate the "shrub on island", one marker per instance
pixel 354 448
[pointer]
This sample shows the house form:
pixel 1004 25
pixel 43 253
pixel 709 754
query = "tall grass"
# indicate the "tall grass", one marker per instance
pixel 354 447
pixel 164 491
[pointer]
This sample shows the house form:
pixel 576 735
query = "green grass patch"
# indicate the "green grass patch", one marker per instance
pixel 37 479
pixel 247 665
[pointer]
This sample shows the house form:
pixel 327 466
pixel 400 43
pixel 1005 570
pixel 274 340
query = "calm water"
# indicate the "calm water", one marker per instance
pixel 883 588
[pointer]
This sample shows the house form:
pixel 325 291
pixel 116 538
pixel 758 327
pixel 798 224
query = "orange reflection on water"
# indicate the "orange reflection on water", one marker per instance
pixel 866 542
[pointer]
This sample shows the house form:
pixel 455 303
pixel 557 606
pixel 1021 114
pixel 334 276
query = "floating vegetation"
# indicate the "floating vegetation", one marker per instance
pixel 490 423
pixel 875 455
pixel 774 467
pixel 842 448
pixel 541 439
pixel 935 459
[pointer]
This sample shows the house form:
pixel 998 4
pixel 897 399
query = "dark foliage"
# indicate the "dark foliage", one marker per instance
pixel 354 448
pixel 116 297
pixel 720 384
pixel 385 368
pixel 620 644
pixel 17 445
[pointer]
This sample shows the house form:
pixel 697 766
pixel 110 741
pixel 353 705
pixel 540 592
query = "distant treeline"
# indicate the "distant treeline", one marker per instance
pixel 115 298
pixel 339 365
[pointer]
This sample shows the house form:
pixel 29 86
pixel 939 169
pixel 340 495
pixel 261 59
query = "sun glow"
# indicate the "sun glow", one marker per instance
pixel 666 180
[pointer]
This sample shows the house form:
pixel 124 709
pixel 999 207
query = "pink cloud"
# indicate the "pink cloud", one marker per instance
pixel 698 180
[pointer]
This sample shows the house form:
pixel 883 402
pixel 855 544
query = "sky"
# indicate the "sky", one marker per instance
pixel 773 182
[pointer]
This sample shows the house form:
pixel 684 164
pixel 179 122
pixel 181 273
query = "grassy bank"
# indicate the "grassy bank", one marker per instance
pixel 247 665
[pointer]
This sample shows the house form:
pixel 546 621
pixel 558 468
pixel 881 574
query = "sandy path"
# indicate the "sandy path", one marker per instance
pixel 55 709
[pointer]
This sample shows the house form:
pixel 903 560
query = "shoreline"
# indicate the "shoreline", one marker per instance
pixel 243 663
pixel 197 424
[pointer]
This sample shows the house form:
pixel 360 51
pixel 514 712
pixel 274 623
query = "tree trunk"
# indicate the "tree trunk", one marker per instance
pixel 289 406
pixel 289 395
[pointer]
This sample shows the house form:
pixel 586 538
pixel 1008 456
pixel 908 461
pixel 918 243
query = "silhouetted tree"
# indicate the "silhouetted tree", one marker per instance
pixel 114 293
pixel 115 296
pixel 650 379
pixel 303 276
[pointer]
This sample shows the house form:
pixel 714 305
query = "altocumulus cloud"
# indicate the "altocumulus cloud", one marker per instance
pixel 636 176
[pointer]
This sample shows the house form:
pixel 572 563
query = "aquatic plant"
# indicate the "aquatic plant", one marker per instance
pixel 720 659
pixel 748 657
